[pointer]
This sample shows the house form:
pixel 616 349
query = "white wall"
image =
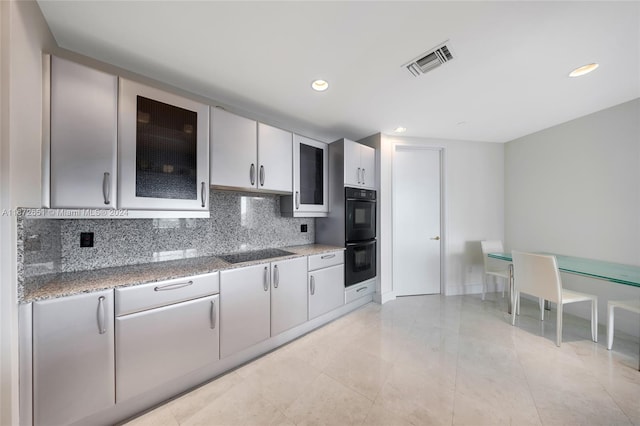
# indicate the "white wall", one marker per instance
pixel 24 37
pixel 574 189
pixel 473 182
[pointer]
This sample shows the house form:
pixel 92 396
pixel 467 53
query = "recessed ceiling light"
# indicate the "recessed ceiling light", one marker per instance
pixel 585 69
pixel 400 129
pixel 319 85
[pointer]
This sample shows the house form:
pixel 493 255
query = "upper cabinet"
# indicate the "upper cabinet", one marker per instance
pixel 83 136
pixel 163 144
pixel 249 155
pixel 310 180
pixel 359 165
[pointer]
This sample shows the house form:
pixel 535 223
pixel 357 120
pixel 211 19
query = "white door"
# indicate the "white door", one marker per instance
pixel 416 221
pixel 275 156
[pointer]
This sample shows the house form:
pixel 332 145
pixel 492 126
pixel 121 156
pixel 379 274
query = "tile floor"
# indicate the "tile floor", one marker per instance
pixel 426 360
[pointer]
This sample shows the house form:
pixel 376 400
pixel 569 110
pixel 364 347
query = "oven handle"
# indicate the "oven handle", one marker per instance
pixel 361 243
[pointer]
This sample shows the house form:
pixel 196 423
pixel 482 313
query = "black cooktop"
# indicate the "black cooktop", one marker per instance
pixel 248 256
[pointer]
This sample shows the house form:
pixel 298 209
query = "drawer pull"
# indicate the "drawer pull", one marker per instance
pixel 360 289
pixel 328 256
pixel 174 286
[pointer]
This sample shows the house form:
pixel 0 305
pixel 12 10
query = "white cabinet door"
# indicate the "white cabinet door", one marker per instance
pixel 73 357
pixel 233 150
pixel 352 167
pixel 84 136
pixel 275 157
pixel 326 290
pixel 158 345
pixel 163 150
pixel 244 308
pixel 288 294
pixel 368 165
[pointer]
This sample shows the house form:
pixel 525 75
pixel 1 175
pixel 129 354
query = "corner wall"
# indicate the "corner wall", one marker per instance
pixel 473 210
pixel 574 189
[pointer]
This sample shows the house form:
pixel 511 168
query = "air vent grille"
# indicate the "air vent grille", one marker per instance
pixel 429 60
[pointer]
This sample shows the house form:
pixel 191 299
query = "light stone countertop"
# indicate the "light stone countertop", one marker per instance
pixel 69 283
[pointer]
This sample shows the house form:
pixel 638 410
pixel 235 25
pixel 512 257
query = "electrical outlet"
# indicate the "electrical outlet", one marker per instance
pixel 303 227
pixel 86 239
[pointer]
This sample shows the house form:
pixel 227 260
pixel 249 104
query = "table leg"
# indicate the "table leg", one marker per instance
pixel 510 292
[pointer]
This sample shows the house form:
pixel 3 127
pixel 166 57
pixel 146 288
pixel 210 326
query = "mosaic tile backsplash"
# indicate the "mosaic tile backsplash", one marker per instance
pixel 238 222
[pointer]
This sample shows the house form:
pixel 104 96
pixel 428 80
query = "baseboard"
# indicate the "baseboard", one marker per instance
pixel 381 299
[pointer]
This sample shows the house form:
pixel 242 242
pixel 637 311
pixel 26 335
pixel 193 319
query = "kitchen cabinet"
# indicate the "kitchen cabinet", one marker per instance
pixel 163 148
pixel 310 196
pixel 359 165
pixel 83 114
pixel 325 283
pixel 245 308
pixel 73 357
pixel 288 294
pixel 249 155
pixel 165 330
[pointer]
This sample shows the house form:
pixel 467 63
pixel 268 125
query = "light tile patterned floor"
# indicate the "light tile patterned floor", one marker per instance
pixel 422 361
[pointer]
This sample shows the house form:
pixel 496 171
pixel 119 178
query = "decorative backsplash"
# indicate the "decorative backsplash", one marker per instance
pixel 238 222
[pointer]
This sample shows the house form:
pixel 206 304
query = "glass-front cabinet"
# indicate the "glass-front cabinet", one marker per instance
pixel 310 179
pixel 163 149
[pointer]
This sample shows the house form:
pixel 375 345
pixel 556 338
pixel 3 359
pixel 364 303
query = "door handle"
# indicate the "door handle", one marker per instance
pixel 312 285
pixel 261 175
pixel 265 284
pixel 363 171
pixel 102 316
pixel 359 174
pixel 437 238
pixel 203 195
pixel 276 276
pixel 213 314
pixel 297 200
pixel 106 188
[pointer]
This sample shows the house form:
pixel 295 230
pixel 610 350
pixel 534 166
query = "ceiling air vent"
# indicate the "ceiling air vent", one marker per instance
pixel 430 60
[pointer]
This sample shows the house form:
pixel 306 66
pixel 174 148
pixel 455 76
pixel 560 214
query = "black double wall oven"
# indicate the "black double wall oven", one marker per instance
pixel 360 235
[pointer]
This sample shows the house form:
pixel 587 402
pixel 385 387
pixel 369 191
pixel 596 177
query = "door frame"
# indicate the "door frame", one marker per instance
pixel 441 150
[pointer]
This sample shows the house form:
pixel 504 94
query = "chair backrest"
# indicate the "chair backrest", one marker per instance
pixel 538 275
pixel 492 246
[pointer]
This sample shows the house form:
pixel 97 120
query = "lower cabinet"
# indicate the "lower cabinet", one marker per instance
pixel 161 344
pixel 73 357
pixel 288 294
pixel 326 290
pixel 245 309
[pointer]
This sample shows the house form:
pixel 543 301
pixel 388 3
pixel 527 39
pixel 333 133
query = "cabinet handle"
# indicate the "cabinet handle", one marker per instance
pixel 363 176
pixel 106 187
pixel 328 256
pixel 276 276
pixel 266 279
pixel 173 286
pixel 297 200
pixel 261 175
pixel 358 174
pixel 203 195
pixel 213 314
pixel 360 289
pixel 102 316
pixel 252 174
pixel 313 285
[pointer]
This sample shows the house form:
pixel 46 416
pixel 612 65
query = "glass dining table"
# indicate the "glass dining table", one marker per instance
pixel 608 271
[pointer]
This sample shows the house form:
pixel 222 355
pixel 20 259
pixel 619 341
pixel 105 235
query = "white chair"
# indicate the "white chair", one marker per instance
pixel 492 267
pixel 629 305
pixel 538 275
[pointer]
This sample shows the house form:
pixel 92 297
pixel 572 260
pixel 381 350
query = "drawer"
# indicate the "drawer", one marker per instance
pixel 325 260
pixel 154 295
pixel 359 290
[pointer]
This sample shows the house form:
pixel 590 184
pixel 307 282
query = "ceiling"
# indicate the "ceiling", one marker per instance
pixel 509 76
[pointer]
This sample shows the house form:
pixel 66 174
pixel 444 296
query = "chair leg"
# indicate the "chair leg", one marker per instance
pixel 559 325
pixel 594 320
pixel 503 286
pixel 541 303
pixel 516 299
pixel 484 285
pixel 610 326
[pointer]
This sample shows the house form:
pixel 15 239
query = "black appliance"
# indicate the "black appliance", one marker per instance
pixel 360 235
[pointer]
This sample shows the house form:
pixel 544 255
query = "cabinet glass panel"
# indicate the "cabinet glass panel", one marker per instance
pixel 166 151
pixel 311 175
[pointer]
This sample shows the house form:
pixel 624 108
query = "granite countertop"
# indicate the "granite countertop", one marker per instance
pixel 69 283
